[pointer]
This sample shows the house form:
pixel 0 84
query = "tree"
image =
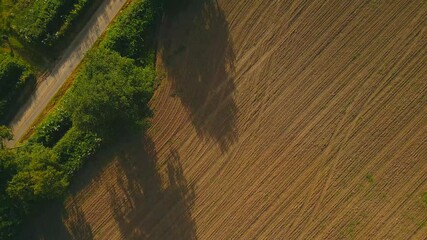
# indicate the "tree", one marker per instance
pixel 8 212
pixel 5 135
pixel 27 175
pixel 7 166
pixel 38 175
pixel 111 94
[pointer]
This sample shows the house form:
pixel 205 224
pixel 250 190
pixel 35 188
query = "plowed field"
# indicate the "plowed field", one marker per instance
pixel 273 120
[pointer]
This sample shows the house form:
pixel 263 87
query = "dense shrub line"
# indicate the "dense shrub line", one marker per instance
pixel 74 148
pixel 131 35
pixel 52 128
pixel 44 22
pixel 109 96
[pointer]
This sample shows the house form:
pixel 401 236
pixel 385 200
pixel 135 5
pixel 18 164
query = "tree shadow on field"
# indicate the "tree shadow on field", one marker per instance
pixel 78 227
pixel 144 206
pixel 199 60
pixel 50 224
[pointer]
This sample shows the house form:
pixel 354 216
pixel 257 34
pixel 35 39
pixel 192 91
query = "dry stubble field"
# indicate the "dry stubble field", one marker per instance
pixel 279 120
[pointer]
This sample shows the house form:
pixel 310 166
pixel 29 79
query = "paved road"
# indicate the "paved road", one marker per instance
pixel 73 55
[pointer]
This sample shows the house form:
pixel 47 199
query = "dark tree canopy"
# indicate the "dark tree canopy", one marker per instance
pixel 5 135
pixel 13 74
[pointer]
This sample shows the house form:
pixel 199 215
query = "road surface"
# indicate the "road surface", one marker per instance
pixel 73 55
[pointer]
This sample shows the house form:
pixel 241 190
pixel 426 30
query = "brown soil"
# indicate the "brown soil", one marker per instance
pixel 286 120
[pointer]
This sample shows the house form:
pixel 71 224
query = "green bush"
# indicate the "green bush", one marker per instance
pixel 77 10
pixel 13 75
pixel 52 128
pixel 43 22
pixel 133 33
pixel 75 148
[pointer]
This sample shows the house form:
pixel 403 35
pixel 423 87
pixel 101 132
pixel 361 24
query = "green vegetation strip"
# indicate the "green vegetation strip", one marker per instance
pixel 109 96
